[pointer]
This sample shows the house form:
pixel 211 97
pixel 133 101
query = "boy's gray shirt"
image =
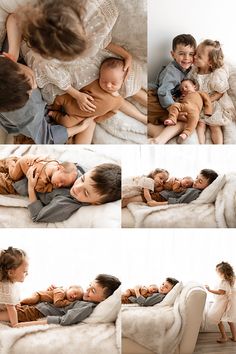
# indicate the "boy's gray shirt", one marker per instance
pixel 181 197
pixel 31 121
pixel 168 83
pixel 68 315
pixel 149 301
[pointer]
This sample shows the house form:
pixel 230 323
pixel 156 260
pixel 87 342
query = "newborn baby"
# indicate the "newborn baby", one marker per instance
pixel 59 297
pixel 178 184
pixel 144 291
pixel 192 102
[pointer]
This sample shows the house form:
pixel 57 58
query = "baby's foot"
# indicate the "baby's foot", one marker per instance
pixel 169 122
pixel 222 340
pixel 181 138
pixel 154 141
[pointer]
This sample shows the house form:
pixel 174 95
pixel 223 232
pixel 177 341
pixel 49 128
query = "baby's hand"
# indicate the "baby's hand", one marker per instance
pixel 51 287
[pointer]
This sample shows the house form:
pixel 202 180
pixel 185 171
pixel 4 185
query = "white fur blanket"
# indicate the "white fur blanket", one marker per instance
pixel 225 206
pixel 107 215
pixel 55 339
pixel 158 328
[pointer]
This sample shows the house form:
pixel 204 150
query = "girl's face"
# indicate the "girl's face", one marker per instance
pixel 220 274
pixel 201 59
pixel 19 274
pixel 160 178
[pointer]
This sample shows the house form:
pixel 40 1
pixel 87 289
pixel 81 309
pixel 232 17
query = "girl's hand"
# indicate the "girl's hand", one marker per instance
pixel 84 102
pixel 207 287
pixel 32 176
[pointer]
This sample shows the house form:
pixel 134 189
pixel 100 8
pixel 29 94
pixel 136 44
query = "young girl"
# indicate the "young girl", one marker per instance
pixel 210 73
pixel 137 189
pixel 13 269
pixel 224 307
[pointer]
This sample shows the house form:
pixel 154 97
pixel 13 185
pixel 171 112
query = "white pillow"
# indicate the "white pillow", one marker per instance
pixel 209 194
pixel 170 298
pixel 107 310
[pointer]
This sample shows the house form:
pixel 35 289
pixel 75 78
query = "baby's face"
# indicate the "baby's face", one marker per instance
pixel 187 87
pixel 111 79
pixel 160 178
pixel 187 182
pixel 61 179
pixel 152 289
pixel 74 293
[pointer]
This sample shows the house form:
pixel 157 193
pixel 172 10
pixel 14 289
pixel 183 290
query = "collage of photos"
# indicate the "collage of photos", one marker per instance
pixel 117 177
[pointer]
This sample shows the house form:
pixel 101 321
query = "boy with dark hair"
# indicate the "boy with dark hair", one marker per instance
pixel 101 184
pixel 99 289
pixel 23 109
pixel 155 298
pixel 167 86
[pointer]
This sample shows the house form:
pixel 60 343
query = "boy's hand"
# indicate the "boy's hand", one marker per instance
pixel 32 176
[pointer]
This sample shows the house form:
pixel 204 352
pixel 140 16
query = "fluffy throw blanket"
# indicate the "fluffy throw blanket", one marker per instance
pixel 55 339
pixel 158 328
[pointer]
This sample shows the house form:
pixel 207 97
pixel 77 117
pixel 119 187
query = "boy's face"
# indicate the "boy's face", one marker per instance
pixel 94 293
pixel 61 179
pixel 29 74
pixel 165 287
pixel 111 80
pixel 83 189
pixel 200 182
pixel 187 86
pixel 183 55
pixel 74 293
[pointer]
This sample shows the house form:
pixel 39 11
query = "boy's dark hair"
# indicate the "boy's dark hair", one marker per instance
pixel 172 281
pixel 210 175
pixel 14 86
pixel 108 282
pixel 185 39
pixel 107 182
pixel 10 258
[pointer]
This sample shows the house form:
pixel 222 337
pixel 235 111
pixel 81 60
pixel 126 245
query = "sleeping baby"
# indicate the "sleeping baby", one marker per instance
pixel 60 297
pixel 145 291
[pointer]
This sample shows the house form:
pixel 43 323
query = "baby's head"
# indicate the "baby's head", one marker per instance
pixel 183 50
pixel 112 74
pixel 167 285
pixel 65 175
pixel 100 185
pixel 188 86
pixel 209 56
pixel 153 288
pixel 186 182
pixel 16 86
pixel 159 175
pixel 13 265
pixel 74 292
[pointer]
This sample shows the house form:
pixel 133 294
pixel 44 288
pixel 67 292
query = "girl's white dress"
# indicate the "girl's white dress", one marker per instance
pixel 218 81
pixel 132 186
pixel 9 294
pixel 224 306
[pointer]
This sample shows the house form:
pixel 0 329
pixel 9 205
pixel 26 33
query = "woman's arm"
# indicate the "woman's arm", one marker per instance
pixel 116 49
pixel 12 313
pixel 14 36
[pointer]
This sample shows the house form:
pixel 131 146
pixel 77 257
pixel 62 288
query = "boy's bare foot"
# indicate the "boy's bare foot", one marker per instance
pixel 181 138
pixel 222 340
pixel 169 122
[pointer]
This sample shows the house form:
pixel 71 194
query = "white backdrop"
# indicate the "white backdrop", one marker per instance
pixel 178 160
pixel 134 255
pixel 203 19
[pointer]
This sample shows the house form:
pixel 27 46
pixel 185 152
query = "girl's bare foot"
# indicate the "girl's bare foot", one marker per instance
pixel 222 340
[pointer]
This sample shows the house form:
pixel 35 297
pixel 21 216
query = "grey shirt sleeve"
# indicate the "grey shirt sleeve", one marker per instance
pixel 190 195
pixel 72 316
pixel 149 301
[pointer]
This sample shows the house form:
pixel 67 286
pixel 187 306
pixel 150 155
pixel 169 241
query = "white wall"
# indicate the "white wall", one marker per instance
pixel 203 19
